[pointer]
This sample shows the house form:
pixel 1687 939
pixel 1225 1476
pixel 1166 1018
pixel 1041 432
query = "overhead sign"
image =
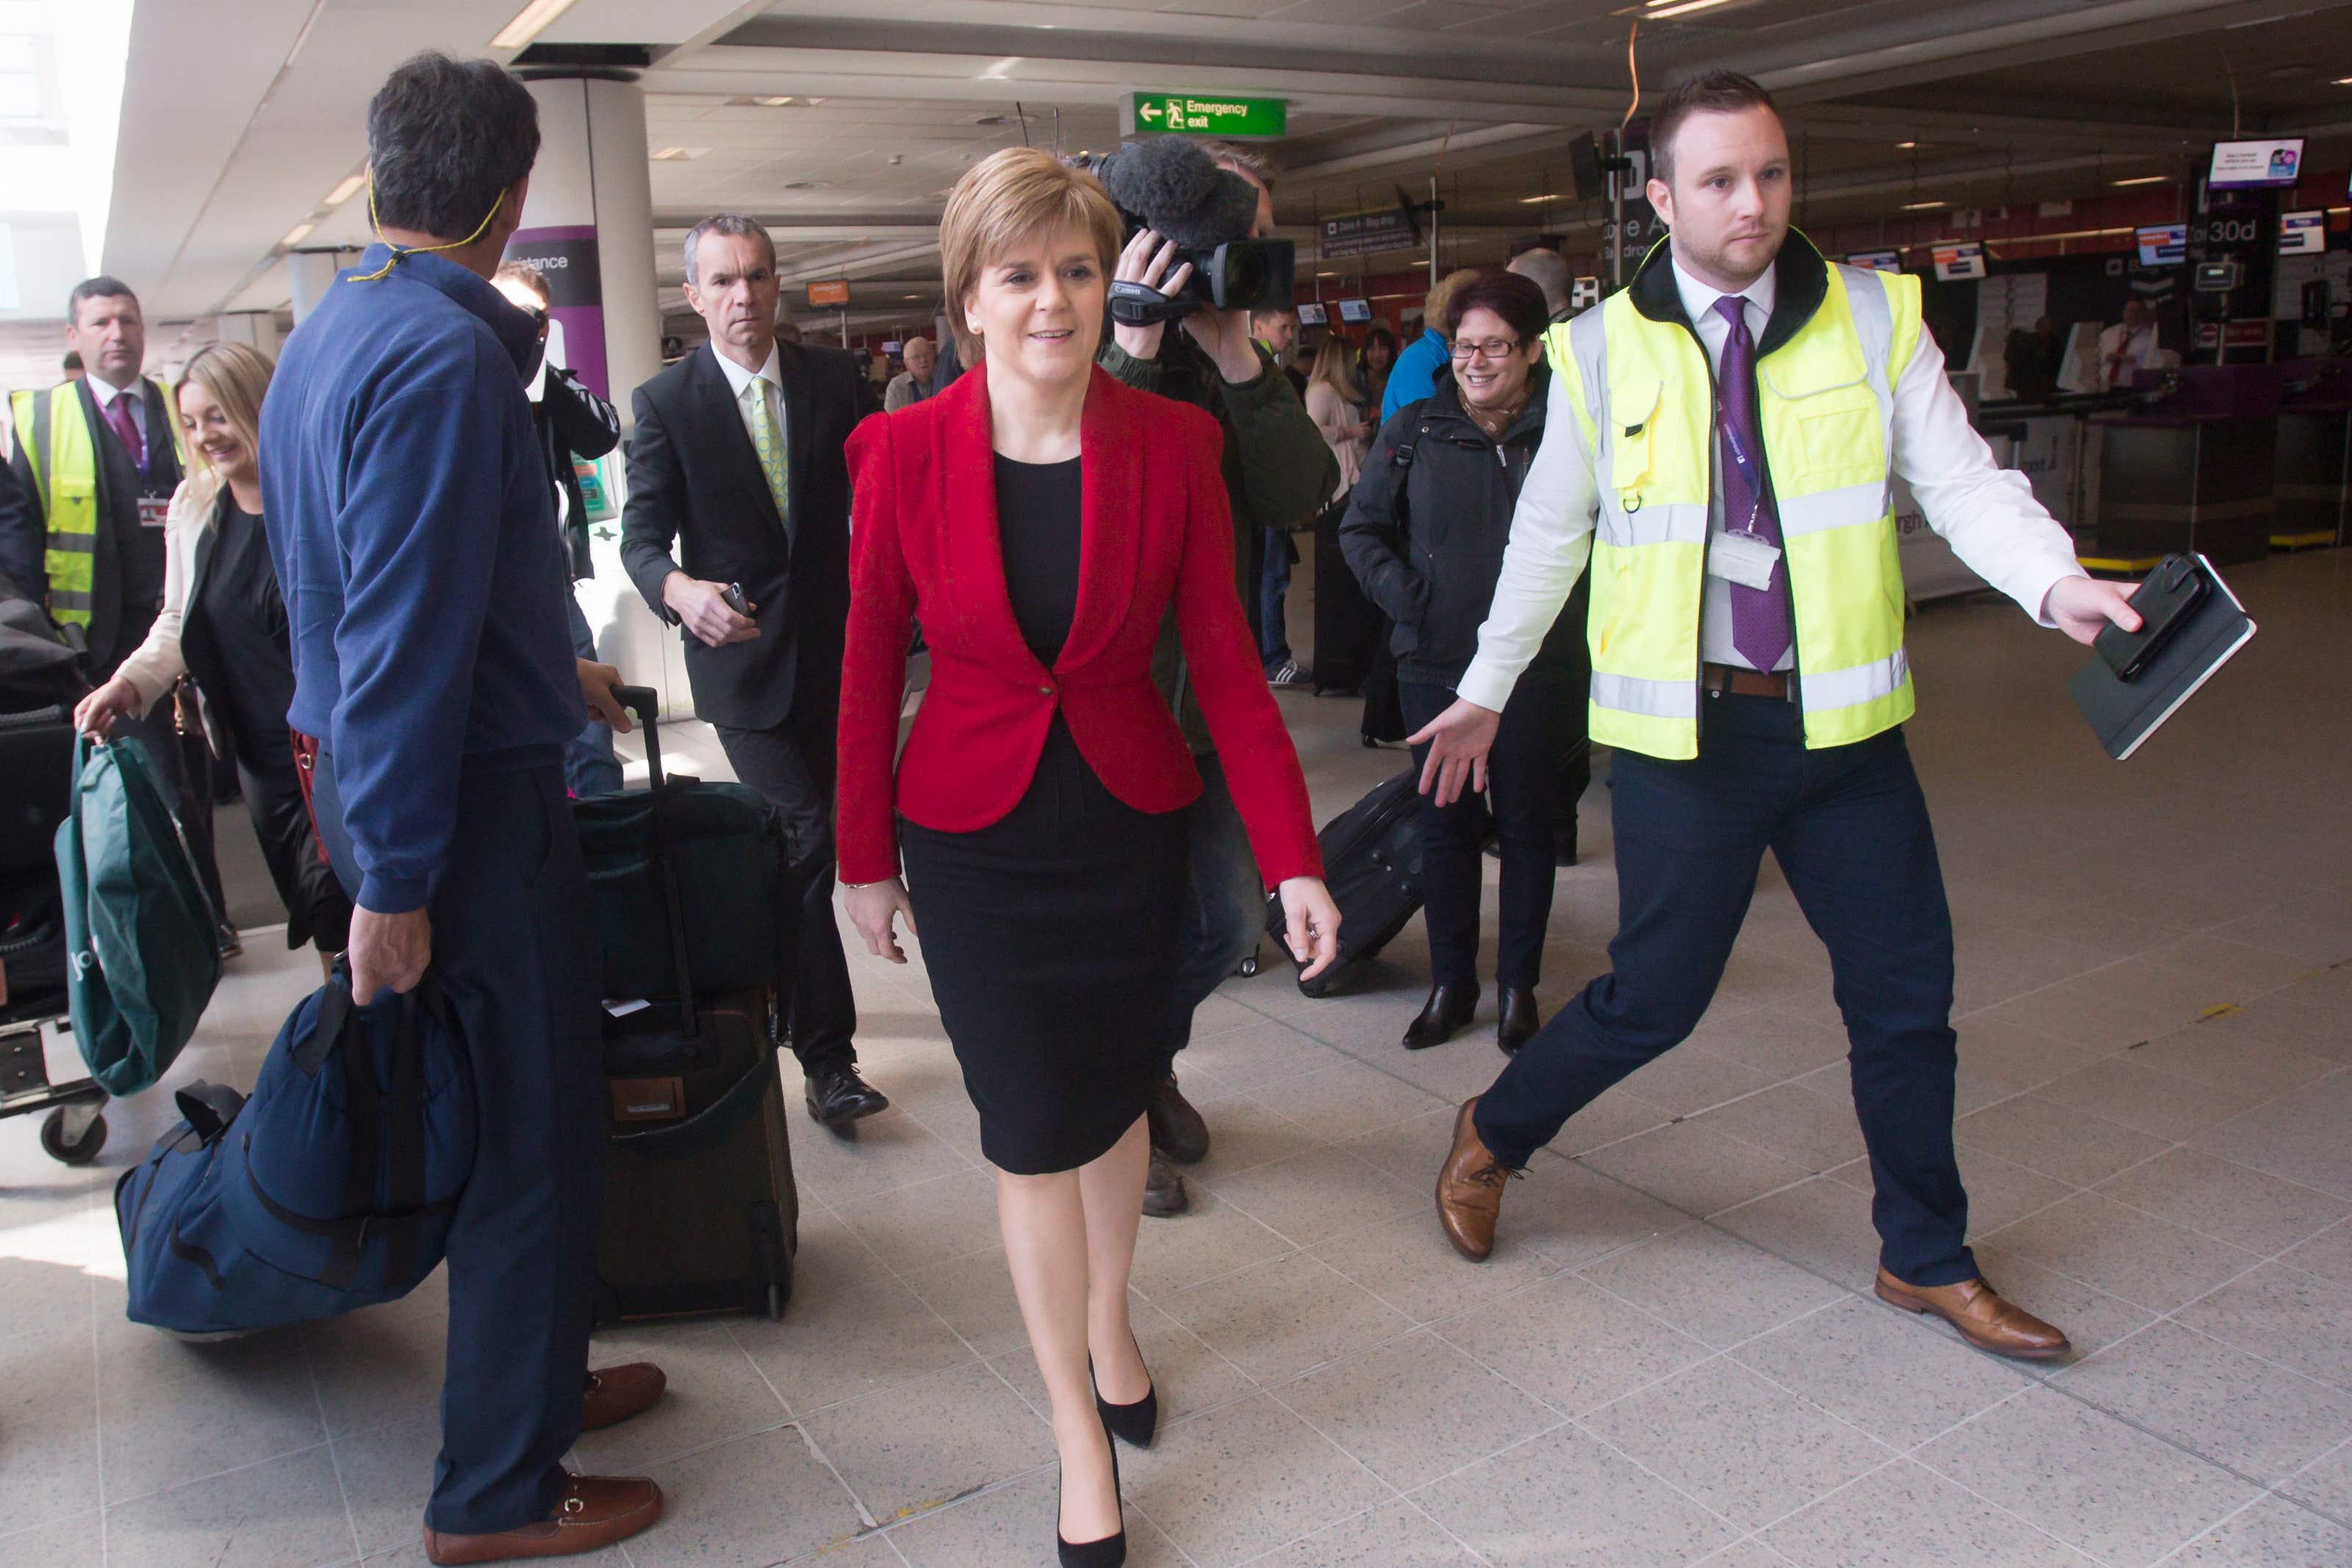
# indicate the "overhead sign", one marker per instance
pixel 2164 245
pixel 2303 234
pixel 833 293
pixel 1365 233
pixel 1210 114
pixel 1959 261
pixel 1631 241
pixel 1355 311
pixel 1311 314
pixel 1876 261
pixel 2251 165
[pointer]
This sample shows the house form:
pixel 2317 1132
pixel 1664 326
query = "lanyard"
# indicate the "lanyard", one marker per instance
pixel 1749 472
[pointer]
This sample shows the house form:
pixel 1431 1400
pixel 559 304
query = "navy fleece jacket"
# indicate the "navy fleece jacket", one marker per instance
pixel 410 520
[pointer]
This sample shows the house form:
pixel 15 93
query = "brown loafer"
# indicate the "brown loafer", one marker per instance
pixel 594 1512
pixel 1981 1316
pixel 1470 1189
pixel 617 1393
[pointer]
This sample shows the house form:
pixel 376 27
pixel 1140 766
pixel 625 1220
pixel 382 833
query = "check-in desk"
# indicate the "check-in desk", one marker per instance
pixel 2194 470
pixel 2314 467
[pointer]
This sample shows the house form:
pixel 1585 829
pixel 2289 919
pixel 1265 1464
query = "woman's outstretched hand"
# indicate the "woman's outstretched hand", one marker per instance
pixel 1310 924
pixel 873 907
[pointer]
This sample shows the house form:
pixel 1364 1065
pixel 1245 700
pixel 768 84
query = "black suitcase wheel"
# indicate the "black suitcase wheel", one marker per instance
pixel 1248 966
pixel 71 1151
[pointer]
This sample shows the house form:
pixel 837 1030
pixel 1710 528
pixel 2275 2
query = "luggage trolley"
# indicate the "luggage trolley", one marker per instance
pixel 36 774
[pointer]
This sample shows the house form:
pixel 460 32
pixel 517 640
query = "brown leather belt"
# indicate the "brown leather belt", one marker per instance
pixel 1722 677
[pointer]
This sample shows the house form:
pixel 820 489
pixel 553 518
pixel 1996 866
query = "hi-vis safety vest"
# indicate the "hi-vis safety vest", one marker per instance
pixel 1643 394
pixel 56 437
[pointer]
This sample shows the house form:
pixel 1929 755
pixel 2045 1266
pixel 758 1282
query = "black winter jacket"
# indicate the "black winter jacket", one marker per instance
pixel 1425 529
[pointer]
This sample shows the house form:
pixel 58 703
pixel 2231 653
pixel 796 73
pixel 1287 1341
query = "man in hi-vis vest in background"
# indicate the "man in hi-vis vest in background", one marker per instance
pixel 1726 432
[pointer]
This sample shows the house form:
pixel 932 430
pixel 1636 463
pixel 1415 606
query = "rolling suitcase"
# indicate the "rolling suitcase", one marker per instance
pixel 1371 862
pixel 701 1214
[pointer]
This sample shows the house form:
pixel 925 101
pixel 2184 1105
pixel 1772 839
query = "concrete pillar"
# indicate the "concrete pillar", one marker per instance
pixel 589 227
pixel 255 329
pixel 308 273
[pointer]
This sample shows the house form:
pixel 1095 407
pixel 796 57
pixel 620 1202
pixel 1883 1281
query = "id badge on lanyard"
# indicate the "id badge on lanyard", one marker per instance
pixel 1739 554
pixel 154 509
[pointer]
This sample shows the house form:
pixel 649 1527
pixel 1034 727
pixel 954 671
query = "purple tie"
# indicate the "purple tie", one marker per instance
pixel 1759 617
pixel 118 414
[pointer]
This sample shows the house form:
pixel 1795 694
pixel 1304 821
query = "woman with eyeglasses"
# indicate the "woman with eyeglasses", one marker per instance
pixel 1424 535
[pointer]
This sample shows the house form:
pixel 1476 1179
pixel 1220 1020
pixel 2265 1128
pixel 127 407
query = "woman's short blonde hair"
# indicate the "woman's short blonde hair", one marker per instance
pixel 238 378
pixel 1002 200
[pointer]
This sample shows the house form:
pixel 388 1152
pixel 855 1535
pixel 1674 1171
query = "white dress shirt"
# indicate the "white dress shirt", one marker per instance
pixel 106 393
pixel 1987 512
pixel 2137 349
pixel 767 381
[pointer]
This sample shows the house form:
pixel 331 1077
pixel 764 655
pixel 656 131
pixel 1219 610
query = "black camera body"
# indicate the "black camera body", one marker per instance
pixel 1174 188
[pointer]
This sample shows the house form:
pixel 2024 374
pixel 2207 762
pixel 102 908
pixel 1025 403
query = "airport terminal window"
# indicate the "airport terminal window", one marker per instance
pixel 31 108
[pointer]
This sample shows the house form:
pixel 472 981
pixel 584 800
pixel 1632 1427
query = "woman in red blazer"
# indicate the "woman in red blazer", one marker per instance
pixel 1041 519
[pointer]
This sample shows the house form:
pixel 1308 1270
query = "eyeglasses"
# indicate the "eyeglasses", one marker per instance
pixel 1493 348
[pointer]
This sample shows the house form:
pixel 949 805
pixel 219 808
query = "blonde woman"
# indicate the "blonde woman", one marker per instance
pixel 1041 518
pixel 1336 403
pixel 224 622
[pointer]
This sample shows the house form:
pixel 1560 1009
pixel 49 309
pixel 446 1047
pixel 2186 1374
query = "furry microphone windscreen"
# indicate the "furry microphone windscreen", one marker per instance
pixel 1179 190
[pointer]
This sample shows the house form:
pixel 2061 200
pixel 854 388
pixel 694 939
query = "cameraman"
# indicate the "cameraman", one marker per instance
pixel 1277 469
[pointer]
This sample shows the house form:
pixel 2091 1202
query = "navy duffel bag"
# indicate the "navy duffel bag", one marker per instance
pixel 329 1188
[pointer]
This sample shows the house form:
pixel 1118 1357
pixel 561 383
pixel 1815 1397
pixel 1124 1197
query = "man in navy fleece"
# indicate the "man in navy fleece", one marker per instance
pixel 414 541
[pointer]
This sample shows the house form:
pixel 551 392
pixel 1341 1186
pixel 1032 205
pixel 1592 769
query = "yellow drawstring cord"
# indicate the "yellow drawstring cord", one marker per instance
pixel 401 253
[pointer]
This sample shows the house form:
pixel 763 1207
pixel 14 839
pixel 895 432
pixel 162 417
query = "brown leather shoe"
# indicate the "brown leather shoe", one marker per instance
pixel 617 1393
pixel 594 1512
pixel 1982 1318
pixel 1470 1189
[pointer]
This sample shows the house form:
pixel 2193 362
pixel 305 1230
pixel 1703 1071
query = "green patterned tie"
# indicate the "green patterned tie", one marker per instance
pixel 768 436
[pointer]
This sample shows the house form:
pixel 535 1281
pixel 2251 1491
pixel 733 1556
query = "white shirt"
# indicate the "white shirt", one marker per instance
pixel 767 381
pixel 1715 642
pixel 1987 512
pixel 106 393
pixel 2137 348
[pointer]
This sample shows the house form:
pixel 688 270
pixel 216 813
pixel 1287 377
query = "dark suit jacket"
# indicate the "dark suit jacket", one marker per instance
pixel 695 482
pixel 1156 533
pixel 24 536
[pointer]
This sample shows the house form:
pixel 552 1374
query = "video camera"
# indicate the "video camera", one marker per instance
pixel 1172 187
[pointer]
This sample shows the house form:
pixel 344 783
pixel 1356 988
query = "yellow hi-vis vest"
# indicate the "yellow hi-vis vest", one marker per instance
pixel 1643 394
pixel 55 436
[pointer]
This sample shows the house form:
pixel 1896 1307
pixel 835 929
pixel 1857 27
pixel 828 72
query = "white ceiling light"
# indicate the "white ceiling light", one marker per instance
pixel 1538 201
pixel 529 23
pixel 1923 206
pixel 2145 180
pixel 1904 146
pixel 296 234
pixel 678 154
pixel 346 191
pixel 1660 9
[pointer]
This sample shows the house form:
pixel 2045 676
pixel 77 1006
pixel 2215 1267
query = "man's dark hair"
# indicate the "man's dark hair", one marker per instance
pixel 1520 301
pixel 445 138
pixel 98 288
pixel 1709 92
pixel 73 360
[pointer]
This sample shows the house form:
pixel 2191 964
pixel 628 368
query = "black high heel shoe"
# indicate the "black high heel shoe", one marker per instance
pixel 1134 1425
pixel 1111 1551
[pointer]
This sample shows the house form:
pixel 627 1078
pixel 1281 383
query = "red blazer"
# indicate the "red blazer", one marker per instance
pixel 1155 529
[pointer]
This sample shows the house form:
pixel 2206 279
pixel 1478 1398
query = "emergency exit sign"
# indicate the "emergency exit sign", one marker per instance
pixel 1209 114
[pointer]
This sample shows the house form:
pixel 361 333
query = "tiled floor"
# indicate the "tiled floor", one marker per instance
pixel 1671 1359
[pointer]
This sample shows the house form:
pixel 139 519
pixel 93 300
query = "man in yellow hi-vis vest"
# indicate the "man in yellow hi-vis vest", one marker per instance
pixel 1726 433
pixel 96 458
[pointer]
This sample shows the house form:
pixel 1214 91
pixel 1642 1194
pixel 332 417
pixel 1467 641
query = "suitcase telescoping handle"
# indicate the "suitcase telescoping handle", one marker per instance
pixel 646 703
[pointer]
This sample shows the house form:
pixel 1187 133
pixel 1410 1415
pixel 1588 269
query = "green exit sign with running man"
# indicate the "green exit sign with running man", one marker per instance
pixel 1209 114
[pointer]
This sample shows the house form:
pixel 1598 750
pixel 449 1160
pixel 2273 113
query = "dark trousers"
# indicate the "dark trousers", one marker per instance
pixel 317 908
pixel 1273 599
pixel 792 765
pixel 514 947
pixel 1224 902
pixel 1521 807
pixel 1849 826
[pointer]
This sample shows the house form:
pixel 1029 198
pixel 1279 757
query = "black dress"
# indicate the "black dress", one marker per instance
pixel 1051 935
pixel 233 639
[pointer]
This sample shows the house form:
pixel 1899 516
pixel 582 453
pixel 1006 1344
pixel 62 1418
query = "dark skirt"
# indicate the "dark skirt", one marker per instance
pixel 1052 940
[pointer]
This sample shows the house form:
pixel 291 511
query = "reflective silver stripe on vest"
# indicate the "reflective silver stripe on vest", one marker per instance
pixel 1874 328
pixel 1652 699
pixel 68 599
pixel 1832 509
pixel 1587 345
pixel 1855 684
pixel 1661 522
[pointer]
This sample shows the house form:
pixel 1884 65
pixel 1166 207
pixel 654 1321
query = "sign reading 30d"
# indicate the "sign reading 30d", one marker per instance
pixel 1209 114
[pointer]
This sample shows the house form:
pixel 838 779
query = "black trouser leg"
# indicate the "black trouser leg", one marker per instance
pixel 1860 855
pixel 1451 876
pixel 1690 837
pixel 792 765
pixel 514 949
pixel 317 910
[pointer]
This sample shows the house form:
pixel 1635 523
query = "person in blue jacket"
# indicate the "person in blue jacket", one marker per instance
pixel 1427 359
pixel 413 533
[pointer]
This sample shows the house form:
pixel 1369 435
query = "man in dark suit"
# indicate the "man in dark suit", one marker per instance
pixel 738 461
